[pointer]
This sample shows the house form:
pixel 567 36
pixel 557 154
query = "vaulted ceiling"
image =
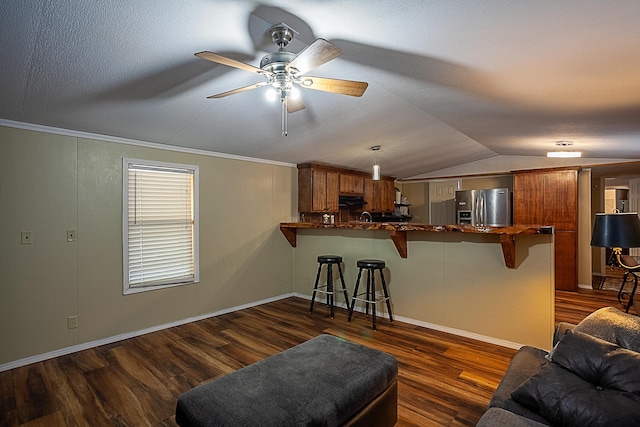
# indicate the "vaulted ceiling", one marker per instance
pixel 450 81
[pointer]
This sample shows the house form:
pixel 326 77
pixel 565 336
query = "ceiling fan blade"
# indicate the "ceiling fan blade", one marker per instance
pixel 318 53
pixel 214 57
pixel 294 105
pixel 344 87
pixel 241 89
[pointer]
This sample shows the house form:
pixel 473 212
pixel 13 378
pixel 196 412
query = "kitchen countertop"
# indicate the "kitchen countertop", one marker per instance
pixel 398 232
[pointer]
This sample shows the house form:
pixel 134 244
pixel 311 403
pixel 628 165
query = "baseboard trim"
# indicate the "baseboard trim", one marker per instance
pixel 453 331
pixel 120 337
pixel 127 335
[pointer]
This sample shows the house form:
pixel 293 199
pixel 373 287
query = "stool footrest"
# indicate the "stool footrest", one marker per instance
pixel 377 298
pixel 319 289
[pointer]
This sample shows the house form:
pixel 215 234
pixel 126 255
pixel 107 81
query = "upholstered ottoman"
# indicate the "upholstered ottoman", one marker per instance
pixel 326 381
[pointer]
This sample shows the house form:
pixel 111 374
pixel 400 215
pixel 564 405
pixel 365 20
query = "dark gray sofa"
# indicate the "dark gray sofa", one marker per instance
pixel 591 377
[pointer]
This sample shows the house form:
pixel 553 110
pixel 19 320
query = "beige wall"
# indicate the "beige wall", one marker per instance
pixel 448 280
pixel 52 183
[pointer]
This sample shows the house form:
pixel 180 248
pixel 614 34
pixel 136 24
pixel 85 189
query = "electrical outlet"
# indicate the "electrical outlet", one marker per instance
pixel 72 322
pixel 26 237
pixel 71 235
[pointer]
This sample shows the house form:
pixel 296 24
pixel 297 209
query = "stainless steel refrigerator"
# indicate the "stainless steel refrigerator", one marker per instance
pixel 491 207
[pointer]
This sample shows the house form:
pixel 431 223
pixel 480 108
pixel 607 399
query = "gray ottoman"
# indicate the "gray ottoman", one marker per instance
pixel 326 381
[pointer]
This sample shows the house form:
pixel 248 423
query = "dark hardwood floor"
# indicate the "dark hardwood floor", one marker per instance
pixel 444 380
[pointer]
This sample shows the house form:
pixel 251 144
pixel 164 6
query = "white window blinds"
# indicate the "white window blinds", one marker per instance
pixel 161 225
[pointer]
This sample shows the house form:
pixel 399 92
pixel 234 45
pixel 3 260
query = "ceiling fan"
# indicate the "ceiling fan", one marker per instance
pixel 284 69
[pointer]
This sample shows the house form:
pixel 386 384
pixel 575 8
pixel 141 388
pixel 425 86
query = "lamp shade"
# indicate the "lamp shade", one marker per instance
pixel 616 230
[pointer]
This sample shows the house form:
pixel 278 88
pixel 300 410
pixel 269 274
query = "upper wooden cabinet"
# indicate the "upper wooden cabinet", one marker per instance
pixel 546 197
pixel 317 189
pixel 351 183
pixel 550 197
pixel 379 194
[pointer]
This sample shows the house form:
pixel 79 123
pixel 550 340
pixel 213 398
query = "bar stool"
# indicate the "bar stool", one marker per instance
pixel 370 296
pixel 328 289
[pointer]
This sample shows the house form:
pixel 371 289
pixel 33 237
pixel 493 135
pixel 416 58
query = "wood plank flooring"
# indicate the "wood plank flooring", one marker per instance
pixel 444 380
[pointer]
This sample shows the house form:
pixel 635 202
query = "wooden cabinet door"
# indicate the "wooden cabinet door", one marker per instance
pixel 388 195
pixel 324 190
pixel 379 195
pixel 561 199
pixel 528 199
pixel 551 198
pixel 566 260
pixel 351 183
pixel 333 186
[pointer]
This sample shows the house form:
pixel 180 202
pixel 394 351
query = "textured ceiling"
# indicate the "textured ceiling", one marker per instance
pixel 450 82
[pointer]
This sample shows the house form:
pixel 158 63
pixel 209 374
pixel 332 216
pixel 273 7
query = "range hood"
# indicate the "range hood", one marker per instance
pixel 348 201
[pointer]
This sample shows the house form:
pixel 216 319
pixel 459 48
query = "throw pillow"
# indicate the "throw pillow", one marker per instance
pixel 601 363
pixel 589 382
pixel 611 324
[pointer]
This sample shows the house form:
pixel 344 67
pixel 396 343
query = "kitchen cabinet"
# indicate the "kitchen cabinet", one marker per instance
pixel 318 189
pixel 379 195
pixel 550 197
pixel 351 183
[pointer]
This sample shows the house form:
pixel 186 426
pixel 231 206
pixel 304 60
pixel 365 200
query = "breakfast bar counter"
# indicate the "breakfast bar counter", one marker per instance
pixel 398 233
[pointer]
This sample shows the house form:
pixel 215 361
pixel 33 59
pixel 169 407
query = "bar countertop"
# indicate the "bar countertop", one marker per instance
pixel 398 232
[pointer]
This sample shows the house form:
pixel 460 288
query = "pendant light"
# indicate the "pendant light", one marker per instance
pixel 376 165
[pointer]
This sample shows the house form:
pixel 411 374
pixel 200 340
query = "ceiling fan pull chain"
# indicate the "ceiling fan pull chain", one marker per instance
pixel 284 114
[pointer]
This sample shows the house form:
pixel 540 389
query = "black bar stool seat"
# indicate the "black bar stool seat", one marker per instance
pixel 371 296
pixel 328 288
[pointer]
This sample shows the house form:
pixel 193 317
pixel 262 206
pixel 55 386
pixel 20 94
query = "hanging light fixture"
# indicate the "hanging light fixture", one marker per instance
pixel 376 165
pixel 564 150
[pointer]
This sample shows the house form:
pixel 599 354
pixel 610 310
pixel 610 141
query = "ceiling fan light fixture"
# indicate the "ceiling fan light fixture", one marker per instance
pixel 271 94
pixel 564 150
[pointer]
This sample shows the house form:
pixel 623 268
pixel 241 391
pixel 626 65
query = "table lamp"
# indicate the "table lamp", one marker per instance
pixel 617 231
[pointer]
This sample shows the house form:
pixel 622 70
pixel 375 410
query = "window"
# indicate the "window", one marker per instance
pixel 159 225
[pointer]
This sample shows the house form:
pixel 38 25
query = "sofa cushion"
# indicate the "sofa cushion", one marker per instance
pixel 527 362
pixel 611 324
pixel 590 382
pixel 498 417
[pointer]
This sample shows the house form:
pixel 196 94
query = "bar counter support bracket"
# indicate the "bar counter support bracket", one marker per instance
pixel 400 240
pixel 290 234
pixel 508 242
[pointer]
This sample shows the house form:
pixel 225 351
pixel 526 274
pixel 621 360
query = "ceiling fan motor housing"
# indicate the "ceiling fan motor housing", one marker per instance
pixel 277 61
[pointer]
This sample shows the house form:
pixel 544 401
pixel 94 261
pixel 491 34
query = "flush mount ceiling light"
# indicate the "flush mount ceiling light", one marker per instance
pixel 564 150
pixel 376 165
